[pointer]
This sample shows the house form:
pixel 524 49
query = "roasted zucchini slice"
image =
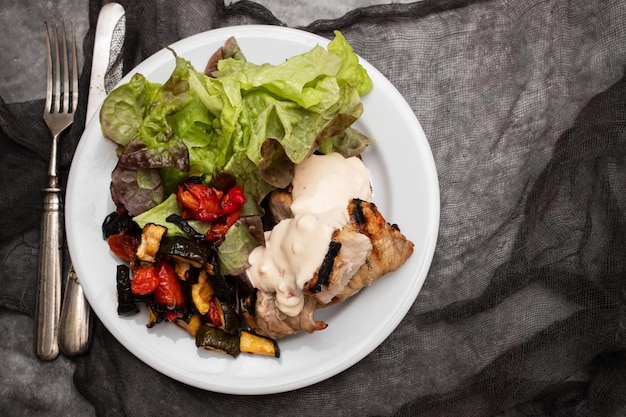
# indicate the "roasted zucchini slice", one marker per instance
pixel 231 321
pixel 151 237
pixel 218 281
pixel 212 338
pixel 258 345
pixel 180 247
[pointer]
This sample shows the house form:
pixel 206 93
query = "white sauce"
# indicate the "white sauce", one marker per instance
pixel 323 185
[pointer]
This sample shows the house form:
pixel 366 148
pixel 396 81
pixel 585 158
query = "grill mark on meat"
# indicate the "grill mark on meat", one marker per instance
pixel 357 216
pixel 390 248
pixel 323 275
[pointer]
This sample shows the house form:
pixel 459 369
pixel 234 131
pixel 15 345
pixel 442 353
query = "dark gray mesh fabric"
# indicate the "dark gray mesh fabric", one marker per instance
pixel 522 313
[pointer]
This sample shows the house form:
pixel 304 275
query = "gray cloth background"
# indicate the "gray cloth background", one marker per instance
pixel 522 313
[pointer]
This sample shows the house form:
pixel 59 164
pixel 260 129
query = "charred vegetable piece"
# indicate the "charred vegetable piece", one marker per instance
pixel 185 249
pixel 218 281
pixel 173 315
pixel 123 245
pixel 219 314
pixel 184 270
pixel 192 324
pixel 220 226
pixel 169 293
pixel 185 227
pixel 229 317
pixel 116 223
pixel 151 237
pixel 212 338
pixel 125 304
pixel 154 315
pixel 202 293
pixel 246 308
pixel 258 345
pixel 215 315
pixel 243 286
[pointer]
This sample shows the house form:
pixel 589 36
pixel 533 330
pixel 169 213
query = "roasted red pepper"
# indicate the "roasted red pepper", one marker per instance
pixel 172 315
pixel 199 201
pixel 145 280
pixel 123 245
pixel 168 293
pixel 233 200
pixel 205 203
pixel 220 227
pixel 214 314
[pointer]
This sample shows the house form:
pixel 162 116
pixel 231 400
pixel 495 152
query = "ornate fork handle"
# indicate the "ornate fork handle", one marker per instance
pixel 75 321
pixel 49 275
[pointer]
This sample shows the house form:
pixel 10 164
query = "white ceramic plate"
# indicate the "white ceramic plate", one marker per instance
pixel 406 191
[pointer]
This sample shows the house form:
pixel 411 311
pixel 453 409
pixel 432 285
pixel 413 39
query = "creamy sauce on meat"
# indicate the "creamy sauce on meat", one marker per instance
pixel 323 185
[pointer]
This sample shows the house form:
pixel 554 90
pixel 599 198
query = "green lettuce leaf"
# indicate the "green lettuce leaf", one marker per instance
pixel 351 71
pixel 252 121
pixel 233 252
pixel 159 214
pixel 124 109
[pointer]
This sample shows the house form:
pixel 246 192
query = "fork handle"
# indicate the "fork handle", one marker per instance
pixel 75 321
pixel 49 276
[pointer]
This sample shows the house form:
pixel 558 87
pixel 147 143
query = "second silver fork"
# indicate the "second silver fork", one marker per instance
pixel 61 102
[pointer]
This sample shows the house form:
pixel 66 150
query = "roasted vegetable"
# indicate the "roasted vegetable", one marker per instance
pixel 145 280
pixel 212 338
pixel 182 248
pixel 124 245
pixel 184 270
pixel 209 337
pixel 168 293
pixel 185 227
pixel 220 286
pixel 230 319
pixel 151 237
pixel 206 203
pixel 125 304
pixel 155 316
pixel 202 293
pixel 218 313
pixel 218 207
pixel 258 345
pixel 116 223
pixel 191 324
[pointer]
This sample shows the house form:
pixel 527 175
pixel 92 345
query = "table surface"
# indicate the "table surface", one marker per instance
pixel 22 46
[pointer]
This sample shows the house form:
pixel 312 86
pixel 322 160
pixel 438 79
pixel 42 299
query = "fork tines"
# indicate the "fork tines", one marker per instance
pixel 58 88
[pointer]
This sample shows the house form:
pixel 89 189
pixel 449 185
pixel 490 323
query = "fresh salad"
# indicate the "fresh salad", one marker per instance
pixel 198 156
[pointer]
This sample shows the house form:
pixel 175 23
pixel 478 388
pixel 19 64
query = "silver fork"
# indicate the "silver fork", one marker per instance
pixel 61 102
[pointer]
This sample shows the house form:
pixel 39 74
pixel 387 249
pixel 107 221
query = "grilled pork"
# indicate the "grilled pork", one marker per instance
pixel 358 254
pixel 268 321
